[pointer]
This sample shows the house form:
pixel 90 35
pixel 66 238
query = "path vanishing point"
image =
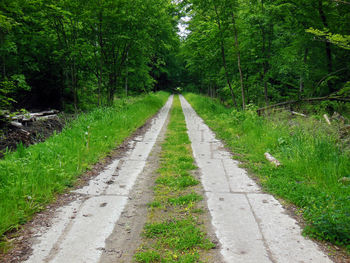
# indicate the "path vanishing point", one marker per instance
pixel 251 226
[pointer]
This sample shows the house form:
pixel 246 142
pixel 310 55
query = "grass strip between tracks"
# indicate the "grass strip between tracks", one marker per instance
pixel 313 162
pixel 174 231
pixel 31 177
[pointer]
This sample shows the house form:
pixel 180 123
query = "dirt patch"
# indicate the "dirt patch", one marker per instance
pixel 126 236
pixel 20 241
pixel 31 133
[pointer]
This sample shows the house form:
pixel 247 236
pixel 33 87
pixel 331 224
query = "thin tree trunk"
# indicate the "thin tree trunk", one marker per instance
pixel 238 60
pixel 100 40
pixel 126 75
pixel 265 63
pixel 74 86
pixel 328 45
pixel 224 57
pixel 226 73
pixel 3 67
pixel 301 82
pixel 3 60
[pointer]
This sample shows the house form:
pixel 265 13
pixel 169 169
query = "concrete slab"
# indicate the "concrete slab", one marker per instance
pixel 127 175
pixel 213 176
pixel 142 149
pixel 236 228
pixel 86 238
pixel 51 235
pixel 238 178
pixel 282 233
pixel 100 183
pixel 202 150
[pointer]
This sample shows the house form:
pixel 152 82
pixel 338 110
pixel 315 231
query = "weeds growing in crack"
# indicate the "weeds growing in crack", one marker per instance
pixel 175 231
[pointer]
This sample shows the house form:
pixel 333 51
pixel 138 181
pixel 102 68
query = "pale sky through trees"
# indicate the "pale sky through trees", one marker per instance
pixel 183 32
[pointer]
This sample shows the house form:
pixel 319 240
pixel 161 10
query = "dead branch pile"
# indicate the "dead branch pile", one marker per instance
pixel 20 120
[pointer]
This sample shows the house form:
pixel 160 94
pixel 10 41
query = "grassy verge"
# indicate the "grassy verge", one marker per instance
pixel 31 177
pixel 173 232
pixel 314 163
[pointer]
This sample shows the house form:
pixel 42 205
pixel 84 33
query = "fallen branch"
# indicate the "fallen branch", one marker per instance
pixel 272 159
pixel 16 124
pixel 48 117
pixel 298 114
pixel 327 119
pixel 26 133
pixel 302 100
pixel 33 116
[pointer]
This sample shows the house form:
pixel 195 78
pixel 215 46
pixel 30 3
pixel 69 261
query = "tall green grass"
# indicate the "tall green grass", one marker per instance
pixel 314 162
pixel 31 177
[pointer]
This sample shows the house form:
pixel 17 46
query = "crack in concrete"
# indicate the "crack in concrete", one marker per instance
pixel 226 175
pixel 53 252
pixel 257 220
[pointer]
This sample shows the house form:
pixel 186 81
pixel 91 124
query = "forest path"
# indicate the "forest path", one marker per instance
pixel 104 222
pixel 251 225
pixel 79 230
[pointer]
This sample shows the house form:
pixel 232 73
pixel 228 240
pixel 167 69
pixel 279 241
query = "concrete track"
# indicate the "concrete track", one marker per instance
pixel 79 230
pixel 252 226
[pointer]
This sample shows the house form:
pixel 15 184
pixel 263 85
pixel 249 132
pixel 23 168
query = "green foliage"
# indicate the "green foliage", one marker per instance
pixel 342 41
pixel 8 89
pixel 31 177
pixel 345 92
pixel 180 235
pixel 86 52
pixel 184 200
pixel 313 157
pixel 280 59
pixel 147 257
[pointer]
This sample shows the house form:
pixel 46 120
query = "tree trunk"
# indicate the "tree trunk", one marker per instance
pixel 224 57
pixel 100 40
pixel 74 85
pixel 301 81
pixel 238 60
pixel 3 60
pixel 265 63
pixel 126 75
pixel 112 85
pixel 328 45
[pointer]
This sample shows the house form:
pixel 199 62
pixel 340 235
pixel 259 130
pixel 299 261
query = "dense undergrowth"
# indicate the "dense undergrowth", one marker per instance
pixel 174 232
pixel 315 162
pixel 31 177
